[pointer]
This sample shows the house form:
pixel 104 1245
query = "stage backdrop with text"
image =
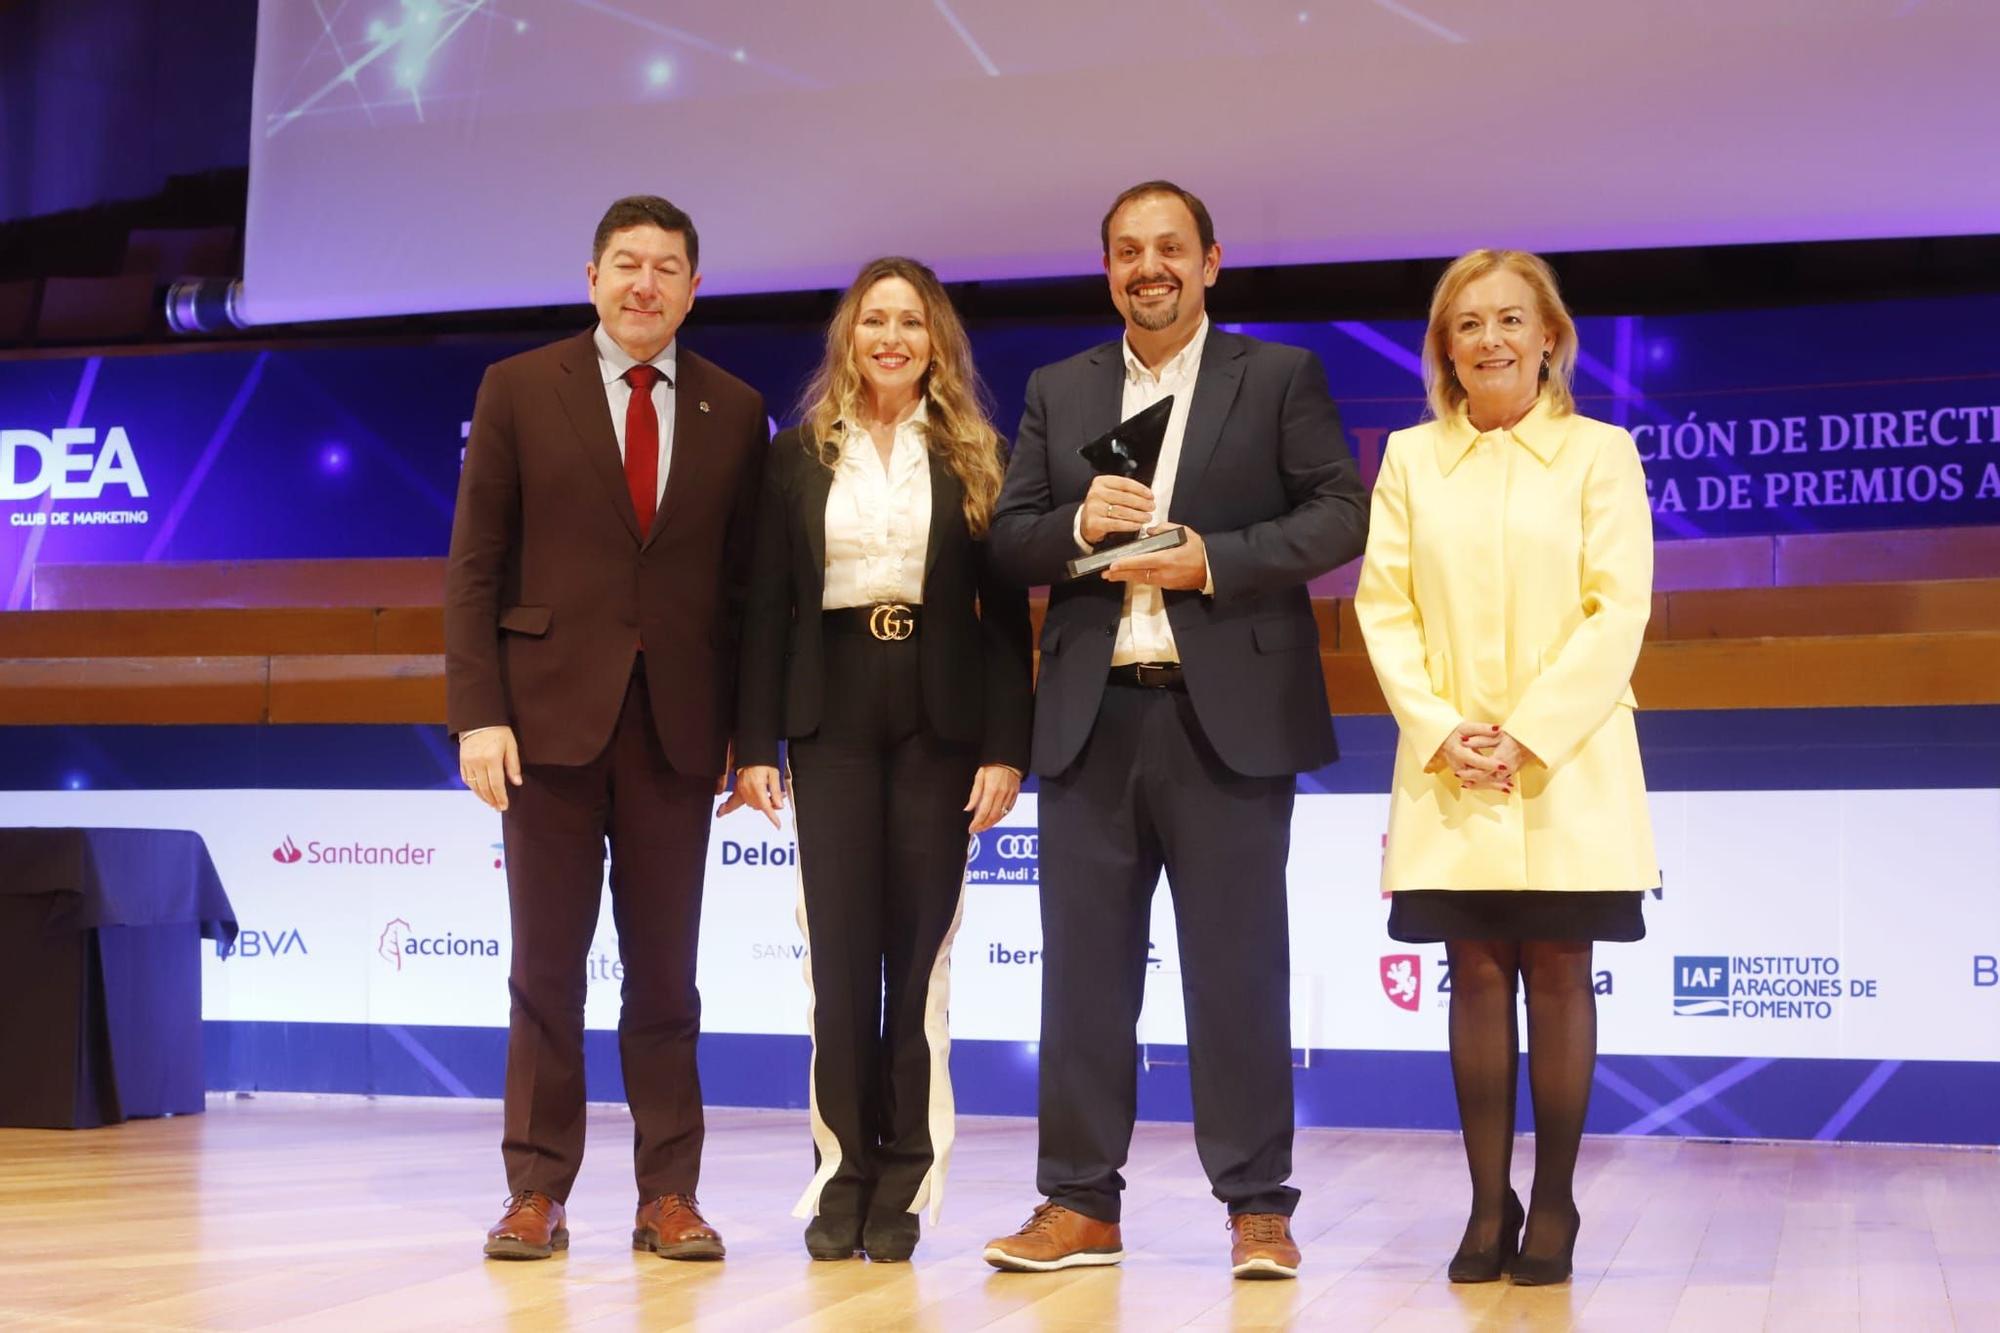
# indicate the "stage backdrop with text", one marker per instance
pixel 1782 935
pixel 1751 422
pixel 1841 940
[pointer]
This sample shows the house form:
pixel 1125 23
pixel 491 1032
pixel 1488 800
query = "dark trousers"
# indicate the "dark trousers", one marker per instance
pixel 556 827
pixel 879 800
pixel 1148 793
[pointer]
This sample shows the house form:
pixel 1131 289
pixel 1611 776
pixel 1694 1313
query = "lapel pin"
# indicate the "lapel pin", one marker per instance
pixel 703 404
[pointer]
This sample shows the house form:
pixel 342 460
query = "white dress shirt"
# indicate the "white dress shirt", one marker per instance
pixel 878 520
pixel 612 363
pixel 1144 634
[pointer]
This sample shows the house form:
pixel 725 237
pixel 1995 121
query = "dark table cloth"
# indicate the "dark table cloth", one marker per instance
pixel 100 973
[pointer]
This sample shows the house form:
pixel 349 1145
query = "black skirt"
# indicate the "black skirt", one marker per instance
pixel 1431 916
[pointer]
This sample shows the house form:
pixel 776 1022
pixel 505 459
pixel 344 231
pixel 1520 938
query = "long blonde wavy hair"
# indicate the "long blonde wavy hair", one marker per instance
pixel 1442 391
pixel 957 427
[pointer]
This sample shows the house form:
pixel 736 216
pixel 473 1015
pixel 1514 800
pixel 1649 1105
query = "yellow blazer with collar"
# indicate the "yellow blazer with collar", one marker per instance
pixel 1508 579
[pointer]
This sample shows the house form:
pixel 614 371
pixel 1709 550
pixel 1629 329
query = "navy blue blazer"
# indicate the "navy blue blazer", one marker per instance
pixel 1265 477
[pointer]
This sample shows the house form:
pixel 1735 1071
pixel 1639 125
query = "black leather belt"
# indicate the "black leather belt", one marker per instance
pixel 891 622
pixel 1149 676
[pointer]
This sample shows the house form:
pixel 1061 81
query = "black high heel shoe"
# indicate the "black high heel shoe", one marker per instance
pixel 1537 1271
pixel 829 1237
pixel 1486 1265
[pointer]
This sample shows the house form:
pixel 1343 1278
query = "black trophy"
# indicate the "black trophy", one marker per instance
pixel 1129 449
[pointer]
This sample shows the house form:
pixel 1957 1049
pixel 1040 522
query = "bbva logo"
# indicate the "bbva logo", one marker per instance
pixel 67 464
pixel 263 944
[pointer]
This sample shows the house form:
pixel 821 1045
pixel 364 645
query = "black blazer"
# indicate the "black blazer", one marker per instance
pixel 1267 480
pixel 973 642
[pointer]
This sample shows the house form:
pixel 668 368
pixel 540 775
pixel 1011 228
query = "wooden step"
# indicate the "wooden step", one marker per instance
pixel 240 583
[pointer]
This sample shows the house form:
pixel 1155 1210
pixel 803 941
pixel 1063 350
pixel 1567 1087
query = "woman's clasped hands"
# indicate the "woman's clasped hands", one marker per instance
pixel 1482 757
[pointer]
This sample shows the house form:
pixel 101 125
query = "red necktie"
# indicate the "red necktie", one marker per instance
pixel 642 446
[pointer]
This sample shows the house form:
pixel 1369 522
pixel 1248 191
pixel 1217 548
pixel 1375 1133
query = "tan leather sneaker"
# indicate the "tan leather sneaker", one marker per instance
pixel 1263 1246
pixel 672 1227
pixel 533 1227
pixel 1056 1237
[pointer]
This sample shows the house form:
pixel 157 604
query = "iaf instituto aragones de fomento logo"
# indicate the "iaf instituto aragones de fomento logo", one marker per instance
pixel 1778 987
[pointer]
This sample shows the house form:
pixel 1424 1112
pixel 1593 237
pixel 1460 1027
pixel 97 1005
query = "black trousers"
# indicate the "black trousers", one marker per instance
pixel 1149 793
pixel 556 828
pixel 879 800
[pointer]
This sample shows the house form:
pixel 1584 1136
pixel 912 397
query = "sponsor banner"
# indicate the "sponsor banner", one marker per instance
pixel 1795 924
pixel 1748 422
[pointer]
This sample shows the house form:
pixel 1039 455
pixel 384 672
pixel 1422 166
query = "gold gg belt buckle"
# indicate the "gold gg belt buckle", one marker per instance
pixel 892 622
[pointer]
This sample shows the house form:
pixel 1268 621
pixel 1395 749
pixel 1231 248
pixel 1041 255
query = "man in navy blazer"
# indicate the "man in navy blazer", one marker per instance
pixel 1180 693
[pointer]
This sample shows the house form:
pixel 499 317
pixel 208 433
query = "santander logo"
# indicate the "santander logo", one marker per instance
pixel 287 853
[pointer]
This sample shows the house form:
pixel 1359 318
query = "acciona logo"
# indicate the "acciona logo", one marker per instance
pixel 401 945
pixel 317 853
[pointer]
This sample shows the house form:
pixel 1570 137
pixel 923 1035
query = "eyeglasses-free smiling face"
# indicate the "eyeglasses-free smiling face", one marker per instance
pixel 892 339
pixel 1158 272
pixel 1497 339
pixel 643 286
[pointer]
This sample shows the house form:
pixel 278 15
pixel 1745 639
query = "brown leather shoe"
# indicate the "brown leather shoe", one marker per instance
pixel 1056 1237
pixel 533 1227
pixel 672 1227
pixel 1263 1246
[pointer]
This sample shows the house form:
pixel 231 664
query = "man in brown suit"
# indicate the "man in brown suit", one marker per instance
pixel 591 605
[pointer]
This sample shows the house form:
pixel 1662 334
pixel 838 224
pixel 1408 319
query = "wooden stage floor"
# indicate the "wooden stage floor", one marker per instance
pixel 350 1214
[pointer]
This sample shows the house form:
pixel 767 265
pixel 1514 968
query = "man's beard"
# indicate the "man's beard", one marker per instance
pixel 1154 318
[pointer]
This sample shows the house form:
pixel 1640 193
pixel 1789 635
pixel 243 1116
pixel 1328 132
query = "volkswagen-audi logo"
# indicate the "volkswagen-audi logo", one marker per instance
pixel 1016 846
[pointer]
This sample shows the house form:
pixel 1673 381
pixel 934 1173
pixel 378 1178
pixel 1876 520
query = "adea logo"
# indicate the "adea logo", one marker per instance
pixel 67 464
pixel 399 944
pixel 1402 977
pixel 263 944
pixel 287 853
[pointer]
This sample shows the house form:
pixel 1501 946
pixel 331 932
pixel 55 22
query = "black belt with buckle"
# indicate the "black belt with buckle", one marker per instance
pixel 891 622
pixel 1149 676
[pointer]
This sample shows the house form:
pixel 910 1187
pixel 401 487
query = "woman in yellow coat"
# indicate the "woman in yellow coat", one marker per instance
pixel 1503 597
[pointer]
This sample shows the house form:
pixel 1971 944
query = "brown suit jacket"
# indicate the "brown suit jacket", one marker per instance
pixel 551 588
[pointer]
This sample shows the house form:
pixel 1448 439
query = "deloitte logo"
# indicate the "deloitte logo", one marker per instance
pixel 1787 987
pixel 1003 856
pixel 774 854
pixel 399 944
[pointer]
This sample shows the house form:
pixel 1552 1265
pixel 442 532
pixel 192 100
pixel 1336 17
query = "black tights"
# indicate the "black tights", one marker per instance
pixel 1562 1056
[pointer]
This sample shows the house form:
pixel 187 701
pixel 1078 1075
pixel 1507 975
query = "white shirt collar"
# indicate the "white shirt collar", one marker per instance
pixel 613 361
pixel 908 452
pixel 1181 363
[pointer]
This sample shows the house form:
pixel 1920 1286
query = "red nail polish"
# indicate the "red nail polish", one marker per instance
pixel 1503 767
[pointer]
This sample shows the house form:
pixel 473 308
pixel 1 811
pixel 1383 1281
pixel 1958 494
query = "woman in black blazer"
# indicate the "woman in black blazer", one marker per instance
pixel 880 647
